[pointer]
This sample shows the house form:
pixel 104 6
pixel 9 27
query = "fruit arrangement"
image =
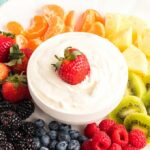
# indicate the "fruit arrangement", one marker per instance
pixel 112 136
pixel 129 126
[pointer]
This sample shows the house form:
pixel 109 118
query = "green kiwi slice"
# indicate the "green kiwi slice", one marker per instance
pixel 146 80
pixel 140 121
pixel 129 104
pixel 146 101
pixel 136 85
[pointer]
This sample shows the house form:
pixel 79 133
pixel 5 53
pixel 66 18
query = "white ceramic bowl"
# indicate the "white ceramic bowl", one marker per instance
pixel 119 80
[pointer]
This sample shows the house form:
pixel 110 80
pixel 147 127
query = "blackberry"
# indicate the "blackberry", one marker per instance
pixel 6 146
pixel 3 137
pixel 24 109
pixel 10 120
pixel 28 129
pixel 6 106
pixel 26 144
pixel 14 136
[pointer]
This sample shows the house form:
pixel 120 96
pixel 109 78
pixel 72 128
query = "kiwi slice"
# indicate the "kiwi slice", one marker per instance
pixel 146 101
pixel 136 85
pixel 129 104
pixel 146 80
pixel 140 121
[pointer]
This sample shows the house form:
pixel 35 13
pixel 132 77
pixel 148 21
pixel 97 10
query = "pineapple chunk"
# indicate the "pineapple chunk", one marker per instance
pixel 136 60
pixel 112 24
pixel 123 39
pixel 144 42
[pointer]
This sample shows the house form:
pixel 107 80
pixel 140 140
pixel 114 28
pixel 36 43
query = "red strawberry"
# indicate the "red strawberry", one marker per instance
pixel 19 58
pixel 5 44
pixel 4 71
pixel 74 67
pixel 15 88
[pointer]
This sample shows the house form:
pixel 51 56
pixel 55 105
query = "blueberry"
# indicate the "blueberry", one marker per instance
pixel 37 142
pixel 82 138
pixel 52 134
pixel 74 145
pixel 54 125
pixel 40 132
pixel 74 134
pixel 43 148
pixel 64 136
pixel 39 123
pixel 62 145
pixel 52 145
pixel 45 140
pixel 65 127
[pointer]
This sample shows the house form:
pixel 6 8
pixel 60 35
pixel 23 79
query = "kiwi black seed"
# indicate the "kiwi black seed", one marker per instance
pixel 129 104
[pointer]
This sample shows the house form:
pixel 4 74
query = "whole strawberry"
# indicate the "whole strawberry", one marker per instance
pixel 19 58
pixel 5 44
pixel 74 67
pixel 15 88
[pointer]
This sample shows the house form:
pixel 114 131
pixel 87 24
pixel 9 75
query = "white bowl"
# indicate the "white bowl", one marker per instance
pixel 119 78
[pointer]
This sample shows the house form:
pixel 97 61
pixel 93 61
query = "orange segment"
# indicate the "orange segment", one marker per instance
pixel 14 27
pixel 38 27
pixel 53 10
pixel 68 29
pixel 98 28
pixel 34 43
pixel 70 19
pixel 56 26
pixel 86 20
pixel 22 41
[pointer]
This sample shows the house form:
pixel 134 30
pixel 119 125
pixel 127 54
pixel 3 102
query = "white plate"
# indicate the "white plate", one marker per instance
pixel 24 10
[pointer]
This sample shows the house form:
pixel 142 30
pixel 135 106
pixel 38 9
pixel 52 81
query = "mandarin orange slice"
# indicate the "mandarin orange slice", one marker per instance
pixel 70 19
pixel 86 20
pixel 38 27
pixel 14 27
pixel 97 28
pixel 56 26
pixel 53 10
pixel 34 43
pixel 22 41
pixel 68 29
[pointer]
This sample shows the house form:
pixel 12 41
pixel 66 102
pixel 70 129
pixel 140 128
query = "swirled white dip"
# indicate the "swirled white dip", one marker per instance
pixel 104 86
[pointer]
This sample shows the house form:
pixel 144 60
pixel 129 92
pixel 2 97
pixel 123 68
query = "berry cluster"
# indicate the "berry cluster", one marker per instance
pixel 15 133
pixel 59 136
pixel 111 136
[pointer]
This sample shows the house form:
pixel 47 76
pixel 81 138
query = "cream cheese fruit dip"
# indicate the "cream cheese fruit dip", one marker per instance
pixel 102 90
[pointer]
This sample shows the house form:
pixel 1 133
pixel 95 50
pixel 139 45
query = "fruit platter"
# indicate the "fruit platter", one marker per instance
pixel 74 75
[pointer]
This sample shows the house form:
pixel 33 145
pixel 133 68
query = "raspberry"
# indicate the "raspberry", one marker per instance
pixel 120 136
pixel 137 138
pixel 86 145
pixel 130 147
pixel 115 146
pixel 100 141
pixel 90 130
pixel 106 124
pixel 115 126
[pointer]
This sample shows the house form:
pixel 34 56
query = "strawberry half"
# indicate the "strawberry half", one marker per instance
pixel 15 88
pixel 19 58
pixel 74 67
pixel 5 44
